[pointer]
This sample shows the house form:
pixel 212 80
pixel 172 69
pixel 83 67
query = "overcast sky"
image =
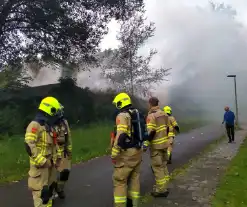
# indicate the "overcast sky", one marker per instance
pixel 155 7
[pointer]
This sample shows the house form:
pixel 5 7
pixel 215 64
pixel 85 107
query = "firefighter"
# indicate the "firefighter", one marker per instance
pixel 41 146
pixel 65 144
pixel 158 142
pixel 126 155
pixel 173 126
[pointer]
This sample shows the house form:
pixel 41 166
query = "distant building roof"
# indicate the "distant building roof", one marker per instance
pixel 24 93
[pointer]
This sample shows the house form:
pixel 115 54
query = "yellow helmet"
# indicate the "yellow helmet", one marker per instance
pixel 122 100
pixel 168 109
pixel 50 105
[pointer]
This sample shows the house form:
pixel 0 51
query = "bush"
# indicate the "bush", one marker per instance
pixel 82 106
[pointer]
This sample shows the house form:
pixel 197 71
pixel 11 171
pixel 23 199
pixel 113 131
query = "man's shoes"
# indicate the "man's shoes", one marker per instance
pixel 157 194
pixel 229 141
pixel 61 194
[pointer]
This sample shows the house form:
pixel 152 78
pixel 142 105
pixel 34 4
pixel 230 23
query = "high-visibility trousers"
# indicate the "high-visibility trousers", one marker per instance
pixel 64 168
pixel 40 180
pixel 126 181
pixel 170 147
pixel 159 159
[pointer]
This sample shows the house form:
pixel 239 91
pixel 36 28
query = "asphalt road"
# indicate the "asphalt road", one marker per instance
pixel 90 184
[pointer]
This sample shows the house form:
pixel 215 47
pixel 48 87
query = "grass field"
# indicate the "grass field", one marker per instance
pixel 232 191
pixel 87 143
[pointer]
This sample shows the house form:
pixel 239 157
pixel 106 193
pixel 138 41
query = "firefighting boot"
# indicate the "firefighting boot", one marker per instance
pixel 129 202
pixel 159 194
pixel 170 159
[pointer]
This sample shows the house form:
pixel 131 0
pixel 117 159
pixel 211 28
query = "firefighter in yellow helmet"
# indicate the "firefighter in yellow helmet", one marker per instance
pixel 173 126
pixel 157 126
pixel 126 155
pixel 64 142
pixel 41 146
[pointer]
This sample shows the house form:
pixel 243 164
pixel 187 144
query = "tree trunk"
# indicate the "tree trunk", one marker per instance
pixel 67 72
pixel 131 75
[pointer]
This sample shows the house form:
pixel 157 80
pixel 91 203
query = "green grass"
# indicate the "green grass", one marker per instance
pixel 88 143
pixel 232 191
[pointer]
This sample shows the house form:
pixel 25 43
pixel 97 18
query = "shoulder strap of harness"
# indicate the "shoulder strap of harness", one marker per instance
pixel 66 136
pixel 65 125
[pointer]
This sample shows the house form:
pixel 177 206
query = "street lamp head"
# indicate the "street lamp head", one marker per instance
pixel 231 76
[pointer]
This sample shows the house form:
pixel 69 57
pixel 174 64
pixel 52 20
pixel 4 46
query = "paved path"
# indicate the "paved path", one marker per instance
pixel 90 183
pixel 196 186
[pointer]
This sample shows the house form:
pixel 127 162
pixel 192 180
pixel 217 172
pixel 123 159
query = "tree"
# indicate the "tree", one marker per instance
pixel 223 8
pixel 12 78
pixel 57 30
pixel 125 68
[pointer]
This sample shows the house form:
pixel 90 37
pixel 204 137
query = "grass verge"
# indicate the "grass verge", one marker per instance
pixel 232 190
pixel 181 170
pixel 88 143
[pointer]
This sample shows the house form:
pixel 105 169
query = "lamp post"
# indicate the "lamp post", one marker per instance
pixel 236 99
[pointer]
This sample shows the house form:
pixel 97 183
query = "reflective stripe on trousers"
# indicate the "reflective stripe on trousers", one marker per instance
pixel 163 180
pixel 120 199
pixel 49 204
pixel 160 140
pixel 134 195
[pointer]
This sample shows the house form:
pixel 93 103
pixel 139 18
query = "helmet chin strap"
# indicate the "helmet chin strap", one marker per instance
pixel 118 105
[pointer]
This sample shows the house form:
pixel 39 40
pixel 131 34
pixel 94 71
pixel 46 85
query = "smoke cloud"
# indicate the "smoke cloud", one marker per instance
pixel 202 46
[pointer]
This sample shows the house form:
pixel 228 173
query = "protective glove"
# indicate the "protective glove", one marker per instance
pixel 144 148
pixel 171 141
pixel 113 161
pixel 69 155
pixel 47 164
pixel 58 162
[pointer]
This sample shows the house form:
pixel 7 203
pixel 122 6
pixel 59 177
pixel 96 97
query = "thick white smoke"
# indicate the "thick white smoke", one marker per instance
pixel 91 79
pixel 201 45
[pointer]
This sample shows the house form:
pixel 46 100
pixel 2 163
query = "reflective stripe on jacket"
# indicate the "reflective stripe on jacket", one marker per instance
pixel 171 124
pixel 41 144
pixel 157 120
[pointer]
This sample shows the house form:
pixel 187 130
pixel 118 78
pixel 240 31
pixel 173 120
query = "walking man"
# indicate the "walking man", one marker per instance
pixel 229 118
pixel 157 126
